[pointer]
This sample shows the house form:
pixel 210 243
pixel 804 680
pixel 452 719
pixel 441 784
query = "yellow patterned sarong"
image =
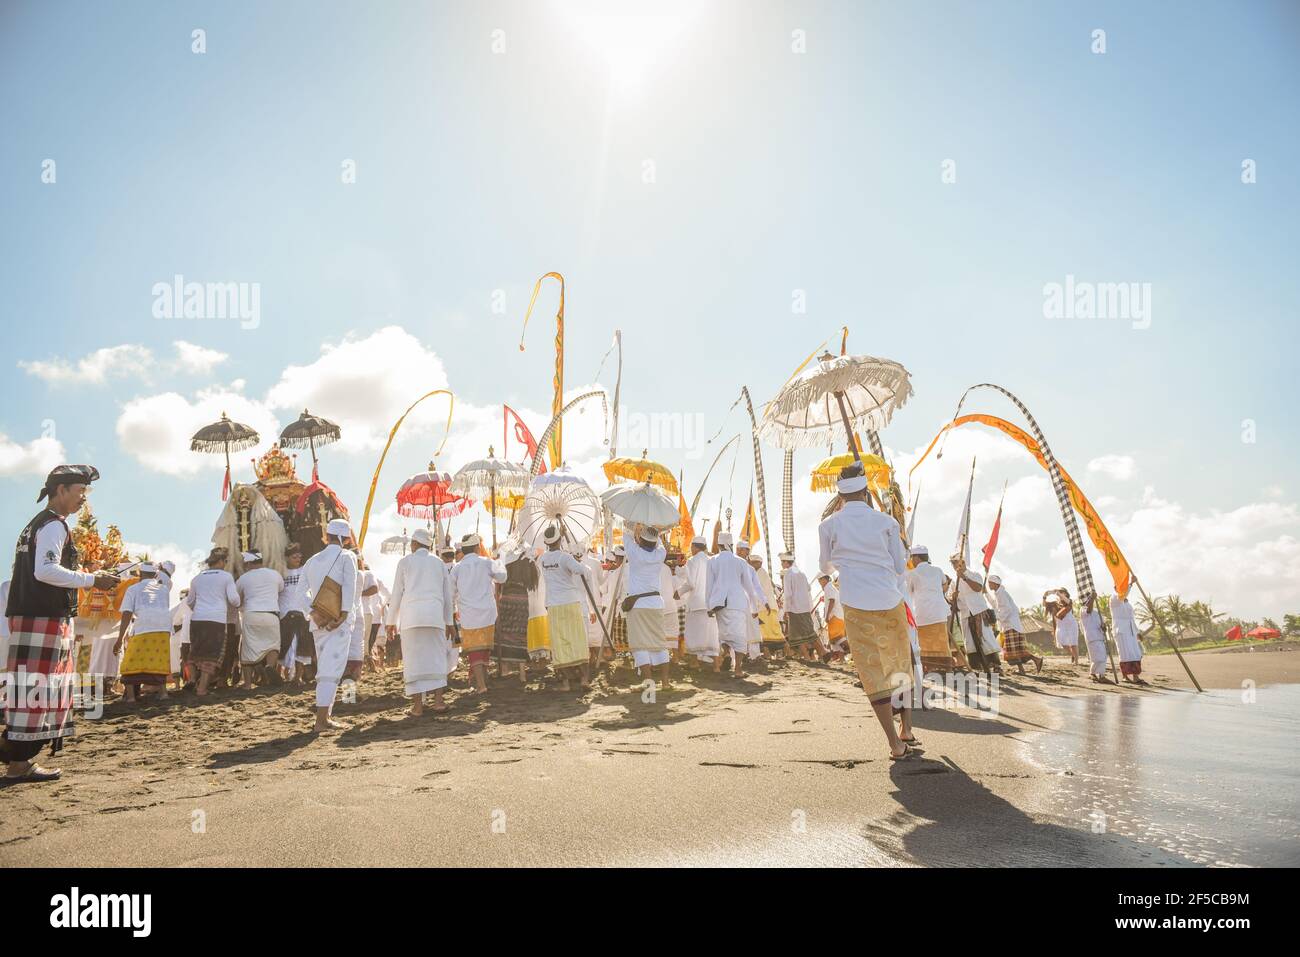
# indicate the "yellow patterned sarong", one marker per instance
pixel 148 658
pixel 882 651
pixel 539 638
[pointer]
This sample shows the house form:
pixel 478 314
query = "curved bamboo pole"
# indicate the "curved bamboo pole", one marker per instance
pixel 695 502
pixel 557 401
pixel 555 424
pixel 370 499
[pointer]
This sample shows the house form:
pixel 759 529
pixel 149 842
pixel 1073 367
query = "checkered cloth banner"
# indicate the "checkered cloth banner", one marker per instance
pixel 758 475
pixel 1082 571
pixel 787 500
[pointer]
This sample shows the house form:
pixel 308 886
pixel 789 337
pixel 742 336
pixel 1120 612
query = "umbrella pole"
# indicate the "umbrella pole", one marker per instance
pixel 225 484
pixel 492 488
pixel 848 427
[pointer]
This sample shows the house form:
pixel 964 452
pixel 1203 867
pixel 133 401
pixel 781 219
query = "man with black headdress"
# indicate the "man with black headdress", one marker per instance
pixel 42 603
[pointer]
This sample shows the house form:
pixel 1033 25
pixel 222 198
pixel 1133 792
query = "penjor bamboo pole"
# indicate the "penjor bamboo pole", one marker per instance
pixel 374 481
pixel 1155 613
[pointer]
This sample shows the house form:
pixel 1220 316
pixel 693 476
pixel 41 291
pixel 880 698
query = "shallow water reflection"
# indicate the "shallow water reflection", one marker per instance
pixel 1209 777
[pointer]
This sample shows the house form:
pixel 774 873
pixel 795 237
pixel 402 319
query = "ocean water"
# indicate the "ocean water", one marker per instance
pixel 1211 778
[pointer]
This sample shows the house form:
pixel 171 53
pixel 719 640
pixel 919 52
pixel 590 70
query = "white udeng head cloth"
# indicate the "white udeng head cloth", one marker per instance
pixel 338 528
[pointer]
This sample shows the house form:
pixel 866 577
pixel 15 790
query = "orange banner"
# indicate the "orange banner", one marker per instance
pixel 1101 537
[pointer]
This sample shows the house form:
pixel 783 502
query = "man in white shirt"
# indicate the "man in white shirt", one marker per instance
pixel 566 607
pixel 367 589
pixel 753 628
pixel 973 612
pixel 731 590
pixel 473 579
pixel 259 590
pixel 925 584
pixel 296 649
pixel 701 629
pixel 423 609
pixel 864 545
pixel 146 611
pixel 1127 640
pixel 839 645
pixel 1017 651
pixel 41 604
pixel 595 612
pixel 645 624
pixel 797 606
pixel 212 598
pixel 331 587
pixel 1095 635
pixel 180 643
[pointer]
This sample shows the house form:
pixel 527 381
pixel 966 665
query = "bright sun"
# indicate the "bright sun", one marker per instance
pixel 629 36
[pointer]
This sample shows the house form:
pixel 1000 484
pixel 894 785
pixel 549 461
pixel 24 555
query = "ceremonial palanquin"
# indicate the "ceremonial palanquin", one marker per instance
pixel 276 510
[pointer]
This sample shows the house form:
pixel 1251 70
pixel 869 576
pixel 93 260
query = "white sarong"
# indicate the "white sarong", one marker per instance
pixel 701 635
pixel 733 628
pixel 261 636
pixel 331 660
pixel 424 659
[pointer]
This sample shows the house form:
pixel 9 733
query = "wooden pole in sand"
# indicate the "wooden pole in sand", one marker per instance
pixel 1155 614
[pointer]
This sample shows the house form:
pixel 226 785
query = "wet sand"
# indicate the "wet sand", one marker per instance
pixel 785 768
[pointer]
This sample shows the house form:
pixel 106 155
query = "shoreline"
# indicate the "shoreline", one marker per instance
pixel 787 768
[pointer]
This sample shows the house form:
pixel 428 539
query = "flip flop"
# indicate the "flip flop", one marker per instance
pixel 35 775
pixel 910 752
pixel 912 742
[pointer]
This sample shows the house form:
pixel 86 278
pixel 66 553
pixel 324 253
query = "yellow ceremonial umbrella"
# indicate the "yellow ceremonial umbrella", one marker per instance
pixel 827 472
pixel 641 470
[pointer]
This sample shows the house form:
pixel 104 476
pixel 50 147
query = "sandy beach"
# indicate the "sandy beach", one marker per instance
pixel 786 768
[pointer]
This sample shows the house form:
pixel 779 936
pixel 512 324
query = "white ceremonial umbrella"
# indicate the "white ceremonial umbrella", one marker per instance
pixel 641 504
pixel 837 393
pixel 558 498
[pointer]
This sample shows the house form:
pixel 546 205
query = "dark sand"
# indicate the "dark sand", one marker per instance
pixel 787 767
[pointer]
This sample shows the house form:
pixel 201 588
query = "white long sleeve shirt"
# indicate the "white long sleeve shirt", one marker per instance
pixel 50 539
pixel 1008 613
pixel 693 585
pixel 212 595
pixel 864 546
pixel 422 595
pixel 471 580
pixel 259 590
pixel 796 593
pixel 339 564
pixel 925 593
pixel 731 583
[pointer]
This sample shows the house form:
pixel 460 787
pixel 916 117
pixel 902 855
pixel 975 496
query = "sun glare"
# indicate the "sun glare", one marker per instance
pixel 630 38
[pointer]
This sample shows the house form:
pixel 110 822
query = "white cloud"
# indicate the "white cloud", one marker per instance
pixel 197 360
pixel 156 430
pixel 98 367
pixel 1120 467
pixel 37 457
pixel 365 385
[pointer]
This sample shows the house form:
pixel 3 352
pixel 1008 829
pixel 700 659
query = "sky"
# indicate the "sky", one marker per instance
pixel 728 184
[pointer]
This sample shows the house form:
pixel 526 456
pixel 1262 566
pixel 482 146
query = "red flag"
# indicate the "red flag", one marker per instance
pixel 522 435
pixel 991 547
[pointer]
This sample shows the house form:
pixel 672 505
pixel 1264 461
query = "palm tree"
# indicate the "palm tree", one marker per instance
pixel 1177 613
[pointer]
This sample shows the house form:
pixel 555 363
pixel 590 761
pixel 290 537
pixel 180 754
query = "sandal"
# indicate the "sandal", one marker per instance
pixel 34 775
pixel 912 742
pixel 908 752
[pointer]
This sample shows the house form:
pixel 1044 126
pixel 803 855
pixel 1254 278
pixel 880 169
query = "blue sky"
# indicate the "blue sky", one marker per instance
pixel 773 171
